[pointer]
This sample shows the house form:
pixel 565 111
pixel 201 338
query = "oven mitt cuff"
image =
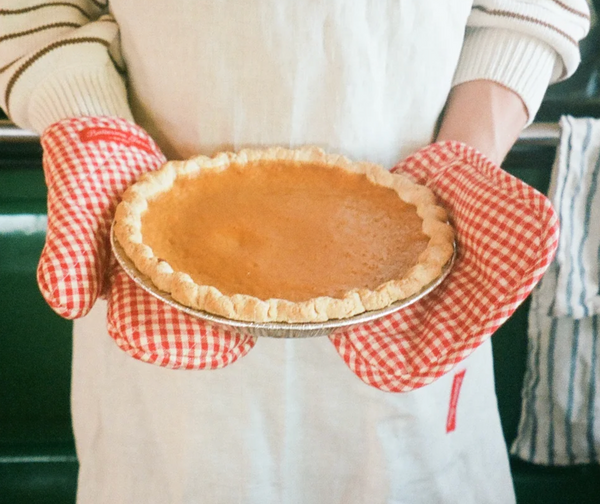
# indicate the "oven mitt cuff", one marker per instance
pixel 506 237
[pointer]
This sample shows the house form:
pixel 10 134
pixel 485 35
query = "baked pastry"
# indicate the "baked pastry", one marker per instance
pixel 283 235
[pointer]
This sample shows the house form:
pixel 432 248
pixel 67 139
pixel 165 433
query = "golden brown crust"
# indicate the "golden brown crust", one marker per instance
pixel 183 289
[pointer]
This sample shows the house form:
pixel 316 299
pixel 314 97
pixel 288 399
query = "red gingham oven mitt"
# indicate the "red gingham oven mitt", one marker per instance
pixel 88 162
pixel 507 233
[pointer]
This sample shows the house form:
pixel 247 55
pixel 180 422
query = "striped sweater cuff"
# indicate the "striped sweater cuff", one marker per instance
pixel 84 92
pixel 519 62
pixel 72 77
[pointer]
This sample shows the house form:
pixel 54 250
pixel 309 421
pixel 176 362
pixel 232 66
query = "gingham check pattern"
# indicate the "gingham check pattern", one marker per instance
pixel 88 163
pixel 153 332
pixel 507 234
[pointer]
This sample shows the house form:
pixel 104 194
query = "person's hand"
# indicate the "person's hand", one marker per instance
pixel 88 163
pixel 506 236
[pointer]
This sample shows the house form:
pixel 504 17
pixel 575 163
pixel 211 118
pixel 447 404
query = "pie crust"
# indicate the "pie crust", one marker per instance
pixel 158 217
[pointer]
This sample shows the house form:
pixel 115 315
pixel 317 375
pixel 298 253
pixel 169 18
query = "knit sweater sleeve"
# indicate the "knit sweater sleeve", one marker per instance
pixel 58 60
pixel 524 45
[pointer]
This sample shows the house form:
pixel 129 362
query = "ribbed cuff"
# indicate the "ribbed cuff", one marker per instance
pixel 92 93
pixel 41 97
pixel 521 63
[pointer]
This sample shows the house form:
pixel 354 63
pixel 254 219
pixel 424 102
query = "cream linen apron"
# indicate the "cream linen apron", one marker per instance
pixel 289 422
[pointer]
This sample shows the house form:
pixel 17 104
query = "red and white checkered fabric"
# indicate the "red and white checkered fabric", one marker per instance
pixel 507 234
pixel 149 330
pixel 88 163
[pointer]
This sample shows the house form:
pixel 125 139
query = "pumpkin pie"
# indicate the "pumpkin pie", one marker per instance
pixel 283 235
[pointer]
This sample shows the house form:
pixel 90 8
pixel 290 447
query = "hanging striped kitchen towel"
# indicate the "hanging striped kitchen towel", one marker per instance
pixel 560 416
pixel 577 199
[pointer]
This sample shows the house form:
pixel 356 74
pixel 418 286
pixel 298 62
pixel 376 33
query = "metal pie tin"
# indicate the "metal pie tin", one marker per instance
pixel 272 329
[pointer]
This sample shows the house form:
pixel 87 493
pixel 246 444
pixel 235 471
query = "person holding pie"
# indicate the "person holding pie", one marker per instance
pixel 402 409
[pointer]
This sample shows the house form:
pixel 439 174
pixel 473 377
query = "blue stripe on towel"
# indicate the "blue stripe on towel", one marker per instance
pixel 592 393
pixel 551 348
pixel 560 181
pixel 591 196
pixel 533 379
pixel 573 198
pixel 571 396
pixel 532 417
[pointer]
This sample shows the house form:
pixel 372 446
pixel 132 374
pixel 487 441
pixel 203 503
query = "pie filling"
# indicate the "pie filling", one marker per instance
pixel 284 229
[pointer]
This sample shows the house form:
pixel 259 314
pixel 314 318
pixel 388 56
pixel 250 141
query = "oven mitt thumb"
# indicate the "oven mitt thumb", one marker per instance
pixel 88 163
pixel 506 236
